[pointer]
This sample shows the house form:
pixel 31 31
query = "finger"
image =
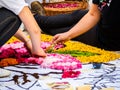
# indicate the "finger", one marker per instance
pixel 55 38
pixel 59 40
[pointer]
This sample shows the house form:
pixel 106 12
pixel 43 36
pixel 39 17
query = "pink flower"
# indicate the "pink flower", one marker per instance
pixel 62 5
pixel 6 53
pixel 61 62
pixel 53 60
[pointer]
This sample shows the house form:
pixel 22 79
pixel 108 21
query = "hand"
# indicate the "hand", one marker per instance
pixel 28 44
pixel 39 52
pixel 60 38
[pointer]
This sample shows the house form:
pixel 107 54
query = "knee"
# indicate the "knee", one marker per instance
pixel 15 19
pixel 8 16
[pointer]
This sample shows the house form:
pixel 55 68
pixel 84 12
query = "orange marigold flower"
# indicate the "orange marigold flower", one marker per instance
pixel 8 62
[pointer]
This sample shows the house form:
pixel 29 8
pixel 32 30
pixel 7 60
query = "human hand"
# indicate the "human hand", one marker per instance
pixel 60 38
pixel 39 52
pixel 29 44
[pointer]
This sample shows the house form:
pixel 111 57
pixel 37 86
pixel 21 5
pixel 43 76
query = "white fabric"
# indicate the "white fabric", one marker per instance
pixel 41 1
pixel 108 76
pixel 17 5
pixel 4 73
pixel 14 5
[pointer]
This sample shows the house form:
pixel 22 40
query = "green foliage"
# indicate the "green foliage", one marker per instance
pixel 74 53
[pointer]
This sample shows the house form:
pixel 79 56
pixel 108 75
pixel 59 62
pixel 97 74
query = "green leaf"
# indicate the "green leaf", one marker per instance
pixel 76 53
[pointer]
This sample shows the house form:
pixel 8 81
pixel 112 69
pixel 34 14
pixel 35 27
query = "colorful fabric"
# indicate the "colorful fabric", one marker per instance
pixel 102 3
pixel 101 55
pixel 32 77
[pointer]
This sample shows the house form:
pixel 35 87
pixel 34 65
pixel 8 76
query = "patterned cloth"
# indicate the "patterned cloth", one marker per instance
pixel 32 77
pixel 102 3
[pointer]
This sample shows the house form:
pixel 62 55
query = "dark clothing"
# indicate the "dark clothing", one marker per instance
pixel 108 27
pixel 9 24
pixel 104 35
pixel 63 22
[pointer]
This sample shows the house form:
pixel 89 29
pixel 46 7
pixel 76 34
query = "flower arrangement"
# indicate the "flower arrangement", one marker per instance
pixel 66 57
pixel 61 62
pixel 70 74
pixel 100 55
pixel 53 60
pixel 8 62
pixel 62 5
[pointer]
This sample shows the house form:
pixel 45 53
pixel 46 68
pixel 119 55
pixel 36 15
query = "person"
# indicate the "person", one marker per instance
pixel 11 14
pixel 98 26
pixel 25 15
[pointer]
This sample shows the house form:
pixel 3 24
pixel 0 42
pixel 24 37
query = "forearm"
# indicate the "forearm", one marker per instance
pixel 85 24
pixel 31 25
pixel 21 36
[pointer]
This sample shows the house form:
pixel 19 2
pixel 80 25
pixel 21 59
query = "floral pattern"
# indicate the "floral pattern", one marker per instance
pixel 32 77
pixel 103 3
pixel 53 60
pixel 104 56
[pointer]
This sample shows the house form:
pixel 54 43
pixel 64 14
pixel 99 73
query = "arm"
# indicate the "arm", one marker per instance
pixel 21 36
pixel 85 24
pixel 21 9
pixel 33 29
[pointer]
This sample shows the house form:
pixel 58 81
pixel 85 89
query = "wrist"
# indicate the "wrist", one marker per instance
pixel 27 41
pixel 69 35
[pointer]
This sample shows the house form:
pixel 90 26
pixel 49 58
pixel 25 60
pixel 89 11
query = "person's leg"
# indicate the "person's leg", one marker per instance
pixel 59 21
pixel 58 30
pixel 9 24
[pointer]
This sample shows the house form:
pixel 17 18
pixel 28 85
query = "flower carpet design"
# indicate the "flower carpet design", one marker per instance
pixel 32 77
pixel 86 53
pixel 70 63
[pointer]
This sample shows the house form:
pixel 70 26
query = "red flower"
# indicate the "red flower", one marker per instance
pixel 70 74
pixel 6 53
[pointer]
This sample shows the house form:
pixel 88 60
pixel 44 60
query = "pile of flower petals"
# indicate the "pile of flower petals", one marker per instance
pixel 61 62
pixel 70 74
pixel 54 61
pixel 14 50
pixel 46 44
pixel 33 60
pixel 62 5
